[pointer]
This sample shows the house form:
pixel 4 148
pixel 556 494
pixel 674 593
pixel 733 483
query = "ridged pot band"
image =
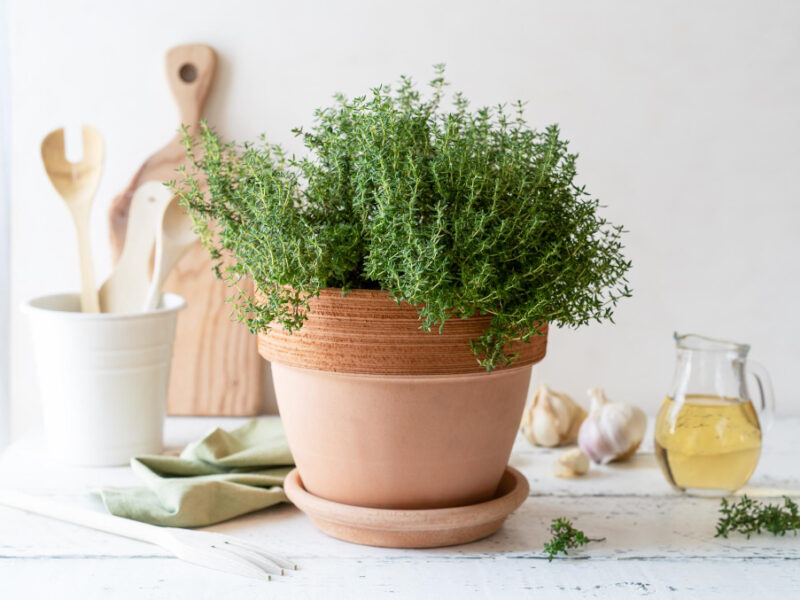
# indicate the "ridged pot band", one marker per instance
pixel 367 332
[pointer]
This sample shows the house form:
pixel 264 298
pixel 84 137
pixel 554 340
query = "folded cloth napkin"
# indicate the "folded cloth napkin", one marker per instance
pixel 224 475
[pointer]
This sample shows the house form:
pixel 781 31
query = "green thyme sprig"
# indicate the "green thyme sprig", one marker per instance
pixel 565 537
pixel 748 516
pixel 456 211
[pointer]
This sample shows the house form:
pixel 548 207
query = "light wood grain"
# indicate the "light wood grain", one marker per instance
pixel 216 369
pixel 174 238
pixel 191 98
pixel 76 183
pixel 126 288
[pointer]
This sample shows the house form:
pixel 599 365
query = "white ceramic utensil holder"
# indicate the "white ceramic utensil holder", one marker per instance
pixel 103 378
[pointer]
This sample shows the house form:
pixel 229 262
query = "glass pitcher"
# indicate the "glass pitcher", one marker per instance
pixel 708 433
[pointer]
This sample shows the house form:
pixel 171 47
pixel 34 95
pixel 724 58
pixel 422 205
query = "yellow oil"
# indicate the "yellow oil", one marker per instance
pixel 707 442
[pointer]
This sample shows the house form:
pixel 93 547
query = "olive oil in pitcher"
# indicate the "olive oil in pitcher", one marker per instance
pixel 708 442
pixel 708 434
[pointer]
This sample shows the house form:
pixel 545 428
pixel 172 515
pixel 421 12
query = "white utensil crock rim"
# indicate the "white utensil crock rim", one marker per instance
pixel 170 303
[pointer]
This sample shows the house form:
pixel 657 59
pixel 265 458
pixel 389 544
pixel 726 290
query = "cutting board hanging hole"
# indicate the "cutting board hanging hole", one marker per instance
pixel 188 73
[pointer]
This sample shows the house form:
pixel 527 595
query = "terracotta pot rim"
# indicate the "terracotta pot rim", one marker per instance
pixel 366 332
pixel 356 291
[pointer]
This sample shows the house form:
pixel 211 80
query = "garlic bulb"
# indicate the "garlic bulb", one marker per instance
pixel 612 431
pixel 552 418
pixel 572 463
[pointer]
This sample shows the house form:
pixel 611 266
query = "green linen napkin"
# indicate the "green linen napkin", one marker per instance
pixel 223 475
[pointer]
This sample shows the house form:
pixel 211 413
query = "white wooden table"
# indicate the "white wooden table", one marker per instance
pixel 658 542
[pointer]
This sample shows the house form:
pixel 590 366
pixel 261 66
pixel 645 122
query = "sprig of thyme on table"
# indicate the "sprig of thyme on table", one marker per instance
pixel 565 537
pixel 748 516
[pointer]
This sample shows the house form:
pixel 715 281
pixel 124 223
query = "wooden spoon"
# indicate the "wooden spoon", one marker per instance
pixel 76 183
pixel 173 239
pixel 190 72
pixel 126 289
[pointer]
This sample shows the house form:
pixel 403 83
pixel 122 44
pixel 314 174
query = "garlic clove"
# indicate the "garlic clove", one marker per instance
pixel 545 423
pixel 552 418
pixel 612 431
pixel 570 464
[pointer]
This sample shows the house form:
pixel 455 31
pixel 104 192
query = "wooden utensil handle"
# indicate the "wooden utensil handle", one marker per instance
pixel 80 516
pixel 90 302
pixel 190 71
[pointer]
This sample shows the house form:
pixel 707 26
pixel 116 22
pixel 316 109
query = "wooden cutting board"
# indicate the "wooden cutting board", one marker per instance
pixel 216 369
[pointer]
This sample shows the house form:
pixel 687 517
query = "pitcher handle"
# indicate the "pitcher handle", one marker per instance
pixel 766 412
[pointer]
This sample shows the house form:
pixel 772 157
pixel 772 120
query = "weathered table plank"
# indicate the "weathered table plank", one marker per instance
pixel 658 542
pixel 373 578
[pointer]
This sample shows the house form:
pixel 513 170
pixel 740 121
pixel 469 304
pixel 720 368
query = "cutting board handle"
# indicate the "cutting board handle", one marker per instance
pixel 190 71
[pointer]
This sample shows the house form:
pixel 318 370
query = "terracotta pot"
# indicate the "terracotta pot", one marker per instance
pixel 381 414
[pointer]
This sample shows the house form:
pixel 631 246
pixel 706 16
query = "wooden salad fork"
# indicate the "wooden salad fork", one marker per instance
pixel 204 548
pixel 76 183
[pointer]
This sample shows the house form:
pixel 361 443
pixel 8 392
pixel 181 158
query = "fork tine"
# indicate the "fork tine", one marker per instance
pixel 277 559
pixel 249 557
pixel 220 559
pixel 262 561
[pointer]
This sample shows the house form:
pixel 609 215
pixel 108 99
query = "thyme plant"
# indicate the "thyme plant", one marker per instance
pixel 457 212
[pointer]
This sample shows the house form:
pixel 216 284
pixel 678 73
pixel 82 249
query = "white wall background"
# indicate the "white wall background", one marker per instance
pixel 5 118
pixel 685 113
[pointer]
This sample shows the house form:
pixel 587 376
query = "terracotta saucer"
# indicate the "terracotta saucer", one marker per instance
pixel 411 528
